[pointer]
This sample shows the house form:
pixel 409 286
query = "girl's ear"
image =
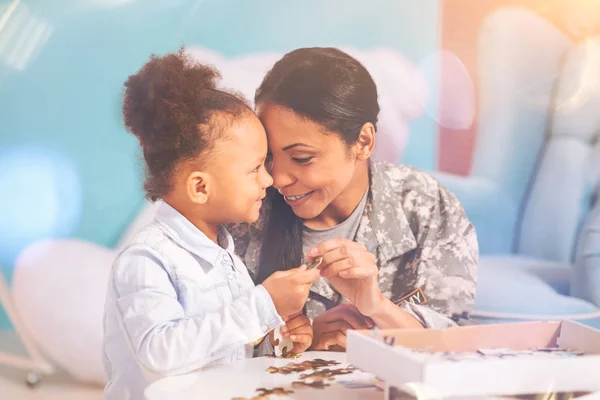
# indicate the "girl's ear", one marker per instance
pixel 198 187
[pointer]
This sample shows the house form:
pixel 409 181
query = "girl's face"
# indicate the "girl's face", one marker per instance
pixel 238 175
pixel 314 169
pixel 231 183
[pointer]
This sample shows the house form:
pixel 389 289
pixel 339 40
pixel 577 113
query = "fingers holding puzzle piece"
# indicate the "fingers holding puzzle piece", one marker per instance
pixel 314 263
pixel 282 345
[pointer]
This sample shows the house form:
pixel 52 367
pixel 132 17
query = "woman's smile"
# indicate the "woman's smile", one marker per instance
pixel 296 201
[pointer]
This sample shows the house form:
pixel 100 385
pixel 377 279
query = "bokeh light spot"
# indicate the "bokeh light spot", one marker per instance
pixel 41 198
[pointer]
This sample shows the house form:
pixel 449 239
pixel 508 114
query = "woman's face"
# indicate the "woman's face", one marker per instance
pixel 312 168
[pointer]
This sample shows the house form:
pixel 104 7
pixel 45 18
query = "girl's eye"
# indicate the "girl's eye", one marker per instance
pixel 302 160
pixel 257 168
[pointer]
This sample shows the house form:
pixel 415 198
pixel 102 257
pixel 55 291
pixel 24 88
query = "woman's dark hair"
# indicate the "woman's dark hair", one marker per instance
pixel 168 105
pixel 326 86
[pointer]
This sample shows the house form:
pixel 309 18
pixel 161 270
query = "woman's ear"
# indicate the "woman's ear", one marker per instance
pixel 198 187
pixel 365 144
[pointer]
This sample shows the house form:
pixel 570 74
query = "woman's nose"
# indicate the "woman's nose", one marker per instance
pixel 281 178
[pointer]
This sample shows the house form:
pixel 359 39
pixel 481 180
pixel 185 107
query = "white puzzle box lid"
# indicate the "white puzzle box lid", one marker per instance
pixel 501 359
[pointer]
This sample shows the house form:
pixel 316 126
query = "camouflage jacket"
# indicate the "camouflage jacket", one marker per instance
pixel 426 248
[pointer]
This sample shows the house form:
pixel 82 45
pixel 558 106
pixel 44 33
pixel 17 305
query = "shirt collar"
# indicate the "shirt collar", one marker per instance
pixel 188 236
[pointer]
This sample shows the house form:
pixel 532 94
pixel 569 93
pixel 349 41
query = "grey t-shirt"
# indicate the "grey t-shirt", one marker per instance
pixel 347 229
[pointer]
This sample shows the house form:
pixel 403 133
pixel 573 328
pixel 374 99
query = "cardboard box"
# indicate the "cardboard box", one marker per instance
pixel 400 367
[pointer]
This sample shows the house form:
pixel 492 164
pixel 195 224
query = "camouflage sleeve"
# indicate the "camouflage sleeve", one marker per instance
pixel 446 258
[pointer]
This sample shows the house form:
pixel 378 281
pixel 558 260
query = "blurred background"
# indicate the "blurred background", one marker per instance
pixel 499 99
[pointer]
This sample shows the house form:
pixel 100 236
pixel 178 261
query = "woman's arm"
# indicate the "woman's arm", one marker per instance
pixel 353 271
pixel 329 328
pixel 446 262
pixel 390 316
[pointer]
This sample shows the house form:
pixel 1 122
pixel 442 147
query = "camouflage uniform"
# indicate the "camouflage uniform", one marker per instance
pixel 426 248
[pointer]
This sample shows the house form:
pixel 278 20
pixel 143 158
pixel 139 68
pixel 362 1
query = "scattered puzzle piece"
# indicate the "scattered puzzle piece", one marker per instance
pixel 291 355
pixel 266 393
pixel 326 374
pixel 302 366
pixel 318 379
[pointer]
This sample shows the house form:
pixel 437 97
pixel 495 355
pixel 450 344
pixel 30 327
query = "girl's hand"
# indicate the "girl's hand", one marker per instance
pixel 300 331
pixel 289 289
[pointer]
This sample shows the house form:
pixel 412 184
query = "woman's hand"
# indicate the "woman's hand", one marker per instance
pixel 353 272
pixel 329 328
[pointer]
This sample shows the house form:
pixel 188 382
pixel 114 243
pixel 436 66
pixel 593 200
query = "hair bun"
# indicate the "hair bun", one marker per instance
pixel 168 92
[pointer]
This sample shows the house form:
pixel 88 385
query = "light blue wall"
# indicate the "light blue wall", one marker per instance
pixel 74 170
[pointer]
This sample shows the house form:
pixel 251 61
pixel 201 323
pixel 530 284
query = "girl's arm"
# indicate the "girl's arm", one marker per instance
pixel 163 339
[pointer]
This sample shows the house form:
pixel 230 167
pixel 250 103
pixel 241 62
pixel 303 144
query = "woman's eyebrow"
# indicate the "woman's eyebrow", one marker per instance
pixel 291 146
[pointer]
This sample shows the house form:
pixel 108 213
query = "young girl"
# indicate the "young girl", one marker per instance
pixel 179 299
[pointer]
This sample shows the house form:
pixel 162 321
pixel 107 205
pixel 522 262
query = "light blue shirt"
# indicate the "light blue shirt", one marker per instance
pixel 177 302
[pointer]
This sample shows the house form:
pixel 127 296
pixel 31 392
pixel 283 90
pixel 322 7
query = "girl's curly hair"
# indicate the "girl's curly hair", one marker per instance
pixel 169 106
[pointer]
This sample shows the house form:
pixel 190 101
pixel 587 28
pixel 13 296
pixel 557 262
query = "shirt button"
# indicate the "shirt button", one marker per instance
pixel 230 276
pixel 225 257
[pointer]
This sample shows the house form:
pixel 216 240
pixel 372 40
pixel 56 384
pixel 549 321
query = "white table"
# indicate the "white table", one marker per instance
pixel 241 379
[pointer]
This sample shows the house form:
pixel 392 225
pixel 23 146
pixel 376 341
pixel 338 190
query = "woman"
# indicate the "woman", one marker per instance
pixel 398 250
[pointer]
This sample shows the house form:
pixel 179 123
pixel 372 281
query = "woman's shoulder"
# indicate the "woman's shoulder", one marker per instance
pixel 400 180
pixel 408 196
pixel 414 195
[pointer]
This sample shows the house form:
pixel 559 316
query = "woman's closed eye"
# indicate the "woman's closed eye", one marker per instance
pixel 302 160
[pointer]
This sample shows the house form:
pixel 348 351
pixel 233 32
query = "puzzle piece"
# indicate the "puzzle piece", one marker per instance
pixel 267 393
pixel 326 374
pixel 314 263
pixel 282 345
pixel 301 366
pixel 285 355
